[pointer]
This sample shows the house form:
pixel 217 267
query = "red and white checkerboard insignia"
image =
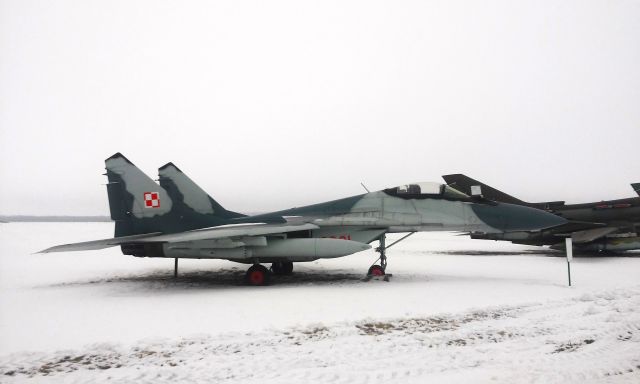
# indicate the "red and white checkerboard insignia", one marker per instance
pixel 152 200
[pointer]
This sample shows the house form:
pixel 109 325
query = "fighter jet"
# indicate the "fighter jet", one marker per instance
pixel 604 226
pixel 177 219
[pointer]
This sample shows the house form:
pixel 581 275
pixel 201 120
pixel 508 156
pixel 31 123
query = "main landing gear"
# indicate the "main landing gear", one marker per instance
pixel 381 270
pixel 258 274
pixel 282 267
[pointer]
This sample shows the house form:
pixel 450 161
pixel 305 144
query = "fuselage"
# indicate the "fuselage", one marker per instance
pixel 358 220
pixel 364 217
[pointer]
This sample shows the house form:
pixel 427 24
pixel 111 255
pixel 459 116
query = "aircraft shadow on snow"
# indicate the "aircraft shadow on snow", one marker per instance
pixel 222 278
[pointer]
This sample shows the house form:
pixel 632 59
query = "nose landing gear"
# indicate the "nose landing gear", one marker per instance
pixel 381 270
pixel 375 270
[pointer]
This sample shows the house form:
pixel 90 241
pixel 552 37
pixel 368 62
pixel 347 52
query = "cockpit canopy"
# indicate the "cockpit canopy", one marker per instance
pixel 427 190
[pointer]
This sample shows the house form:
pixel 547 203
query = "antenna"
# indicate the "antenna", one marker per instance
pixel 365 187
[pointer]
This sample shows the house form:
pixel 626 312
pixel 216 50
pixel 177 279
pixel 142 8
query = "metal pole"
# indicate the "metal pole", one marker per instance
pixel 175 268
pixel 568 242
pixel 383 255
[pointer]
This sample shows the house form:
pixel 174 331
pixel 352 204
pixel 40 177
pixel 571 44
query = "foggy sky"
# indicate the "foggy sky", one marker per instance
pixel 274 104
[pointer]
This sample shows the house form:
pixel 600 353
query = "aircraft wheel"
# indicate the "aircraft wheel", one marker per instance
pixel 287 267
pixel 376 270
pixel 257 275
pixel 282 267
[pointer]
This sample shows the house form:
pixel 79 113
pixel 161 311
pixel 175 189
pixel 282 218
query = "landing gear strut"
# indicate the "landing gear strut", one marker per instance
pixel 175 268
pixel 381 270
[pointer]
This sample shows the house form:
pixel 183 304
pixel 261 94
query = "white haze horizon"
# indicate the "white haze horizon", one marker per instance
pixel 270 105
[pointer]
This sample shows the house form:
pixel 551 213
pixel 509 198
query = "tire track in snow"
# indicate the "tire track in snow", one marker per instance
pixel 595 337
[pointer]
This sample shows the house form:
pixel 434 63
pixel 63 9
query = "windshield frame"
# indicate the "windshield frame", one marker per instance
pixel 413 191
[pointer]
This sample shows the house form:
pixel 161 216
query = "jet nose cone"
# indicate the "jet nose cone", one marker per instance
pixel 533 219
pixel 509 217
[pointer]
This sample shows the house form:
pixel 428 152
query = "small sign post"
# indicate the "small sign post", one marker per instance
pixel 569 247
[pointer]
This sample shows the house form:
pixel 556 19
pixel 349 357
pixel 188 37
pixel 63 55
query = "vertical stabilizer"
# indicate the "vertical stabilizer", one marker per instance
pixel 636 187
pixel 137 203
pixel 466 184
pixel 188 197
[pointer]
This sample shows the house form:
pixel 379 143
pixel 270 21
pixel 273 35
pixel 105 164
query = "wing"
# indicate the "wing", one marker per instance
pixel 575 226
pixel 230 231
pixel 589 235
pixel 98 244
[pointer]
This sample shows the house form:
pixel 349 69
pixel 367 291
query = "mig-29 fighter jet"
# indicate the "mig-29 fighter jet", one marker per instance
pixel 177 219
pixel 603 226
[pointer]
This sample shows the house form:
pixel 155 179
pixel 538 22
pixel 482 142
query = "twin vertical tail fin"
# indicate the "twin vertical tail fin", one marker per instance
pixel 188 197
pixel 465 184
pixel 139 205
pixel 136 202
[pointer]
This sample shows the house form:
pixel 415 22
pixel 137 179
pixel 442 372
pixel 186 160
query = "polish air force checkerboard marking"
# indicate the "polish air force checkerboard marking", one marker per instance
pixel 151 200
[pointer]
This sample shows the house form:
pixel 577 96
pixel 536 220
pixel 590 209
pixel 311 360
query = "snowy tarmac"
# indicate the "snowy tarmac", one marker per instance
pixel 456 311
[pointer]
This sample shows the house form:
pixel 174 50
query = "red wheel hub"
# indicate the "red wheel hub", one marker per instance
pixel 377 271
pixel 256 277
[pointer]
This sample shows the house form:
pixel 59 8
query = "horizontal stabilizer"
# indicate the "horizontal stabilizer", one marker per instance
pixel 98 244
pixel 636 187
pixel 590 235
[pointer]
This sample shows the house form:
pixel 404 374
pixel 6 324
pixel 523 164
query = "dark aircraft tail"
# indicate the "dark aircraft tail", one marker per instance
pixel 636 187
pixel 187 196
pixel 464 184
pixel 139 205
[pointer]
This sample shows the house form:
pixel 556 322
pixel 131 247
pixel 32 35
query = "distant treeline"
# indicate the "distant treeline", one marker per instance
pixel 52 219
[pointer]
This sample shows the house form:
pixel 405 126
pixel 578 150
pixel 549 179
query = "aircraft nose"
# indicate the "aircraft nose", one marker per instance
pixel 510 217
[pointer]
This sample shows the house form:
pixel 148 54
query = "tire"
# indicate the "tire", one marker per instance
pixel 376 270
pixel 287 267
pixel 276 268
pixel 257 275
pixel 282 267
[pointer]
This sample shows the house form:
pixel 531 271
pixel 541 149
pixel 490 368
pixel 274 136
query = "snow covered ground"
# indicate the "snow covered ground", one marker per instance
pixel 456 310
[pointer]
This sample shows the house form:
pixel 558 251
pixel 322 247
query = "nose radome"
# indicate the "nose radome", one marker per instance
pixel 535 219
pixel 509 217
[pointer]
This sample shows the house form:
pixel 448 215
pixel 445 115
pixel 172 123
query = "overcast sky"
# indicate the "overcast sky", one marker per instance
pixel 273 104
